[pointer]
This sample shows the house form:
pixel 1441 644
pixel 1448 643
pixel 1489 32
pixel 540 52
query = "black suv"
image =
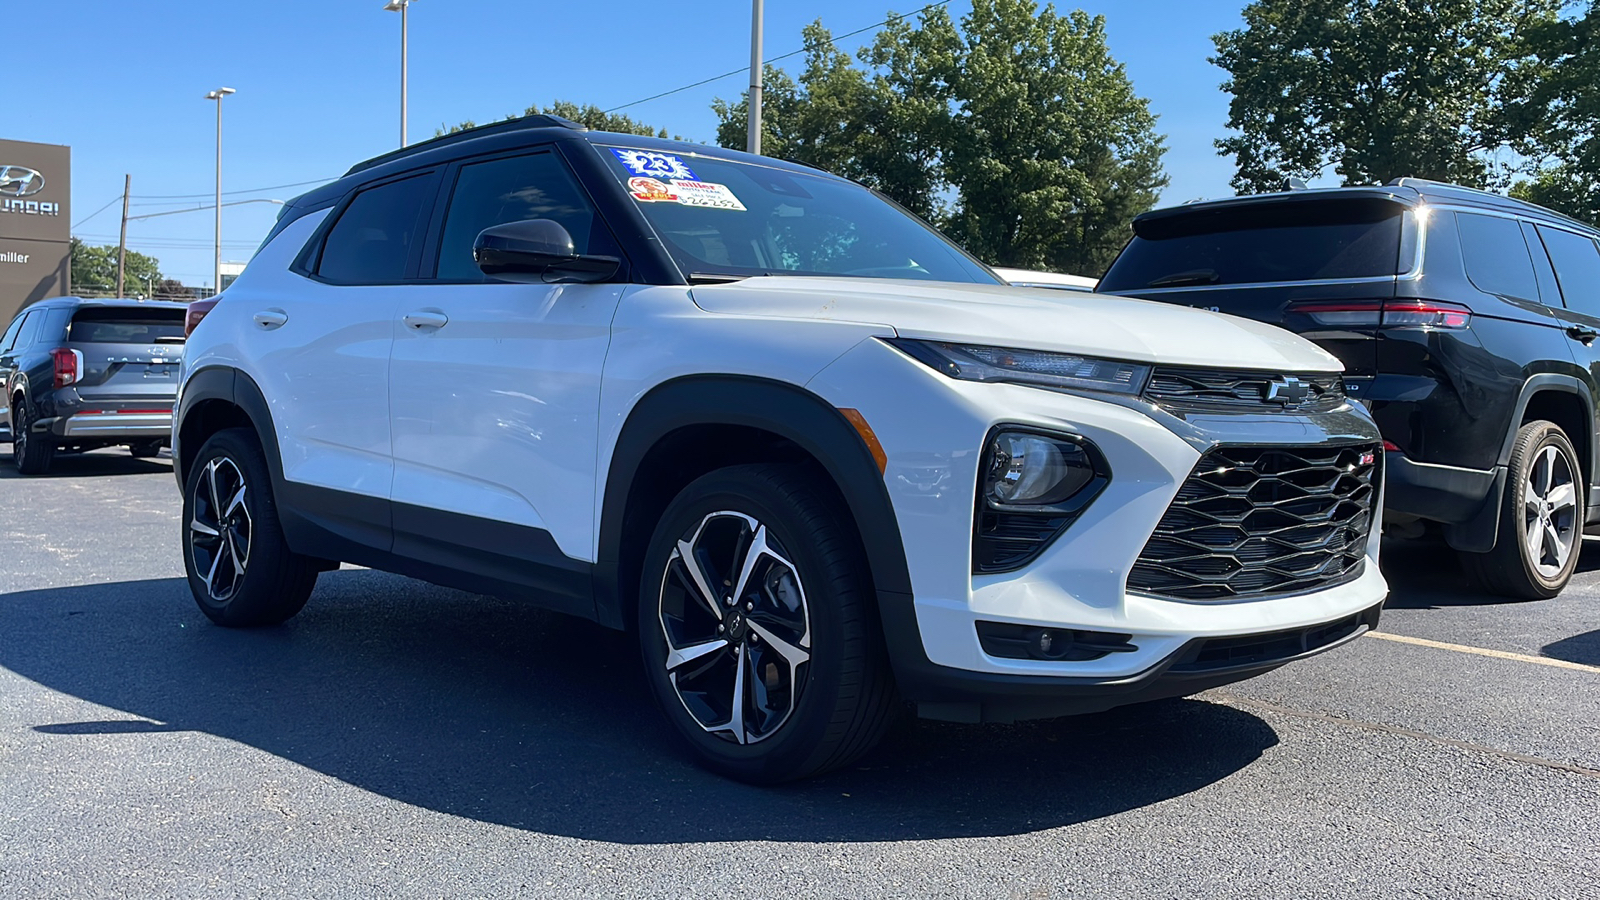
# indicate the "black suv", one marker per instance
pixel 1467 323
pixel 84 374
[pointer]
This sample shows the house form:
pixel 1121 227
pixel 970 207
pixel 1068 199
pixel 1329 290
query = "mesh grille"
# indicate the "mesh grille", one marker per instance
pixel 1262 520
pixel 1216 389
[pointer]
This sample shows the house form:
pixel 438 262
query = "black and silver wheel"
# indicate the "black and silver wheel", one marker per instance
pixel 241 570
pixel 757 626
pixel 32 453
pixel 1541 518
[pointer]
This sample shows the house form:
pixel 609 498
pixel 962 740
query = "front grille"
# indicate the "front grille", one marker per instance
pixel 1221 390
pixel 1252 521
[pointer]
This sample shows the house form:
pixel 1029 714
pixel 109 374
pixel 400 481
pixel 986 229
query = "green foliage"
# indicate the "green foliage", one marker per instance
pixel 590 116
pixel 1564 188
pixel 1564 114
pixel 1377 89
pixel 1016 132
pixel 95 269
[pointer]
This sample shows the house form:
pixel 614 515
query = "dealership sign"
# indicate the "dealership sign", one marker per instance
pixel 17 182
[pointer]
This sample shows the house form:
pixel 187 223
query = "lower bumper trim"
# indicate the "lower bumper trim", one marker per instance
pixel 106 425
pixel 962 696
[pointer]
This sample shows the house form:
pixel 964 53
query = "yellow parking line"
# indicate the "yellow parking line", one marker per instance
pixel 1480 651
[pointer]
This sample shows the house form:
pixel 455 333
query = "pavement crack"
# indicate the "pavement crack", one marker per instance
pixel 1381 728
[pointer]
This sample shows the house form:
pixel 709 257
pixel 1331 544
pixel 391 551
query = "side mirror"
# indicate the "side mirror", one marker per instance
pixel 537 251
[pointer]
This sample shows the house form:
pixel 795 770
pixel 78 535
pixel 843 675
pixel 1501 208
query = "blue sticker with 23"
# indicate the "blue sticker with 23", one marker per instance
pixel 664 166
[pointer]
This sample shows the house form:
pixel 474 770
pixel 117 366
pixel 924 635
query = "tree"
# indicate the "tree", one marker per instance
pixel 94 269
pixel 1017 131
pixel 1564 111
pixel 1377 89
pixel 588 115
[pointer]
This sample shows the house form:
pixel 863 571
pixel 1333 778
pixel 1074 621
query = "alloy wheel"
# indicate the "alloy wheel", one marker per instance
pixel 220 529
pixel 1550 511
pixel 19 432
pixel 737 627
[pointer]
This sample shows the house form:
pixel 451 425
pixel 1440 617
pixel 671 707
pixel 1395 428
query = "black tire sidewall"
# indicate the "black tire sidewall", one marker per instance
pixel 794 748
pixel 261 598
pixel 1536 437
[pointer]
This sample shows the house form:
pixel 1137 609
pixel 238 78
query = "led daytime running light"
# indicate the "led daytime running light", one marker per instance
pixel 972 362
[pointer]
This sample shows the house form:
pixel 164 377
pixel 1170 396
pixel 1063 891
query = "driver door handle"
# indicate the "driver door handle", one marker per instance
pixel 1582 335
pixel 271 318
pixel 425 319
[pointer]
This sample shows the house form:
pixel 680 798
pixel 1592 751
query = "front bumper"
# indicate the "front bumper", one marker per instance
pixel 1080 580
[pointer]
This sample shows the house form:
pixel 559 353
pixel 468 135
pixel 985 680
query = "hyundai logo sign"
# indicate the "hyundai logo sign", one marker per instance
pixel 20 181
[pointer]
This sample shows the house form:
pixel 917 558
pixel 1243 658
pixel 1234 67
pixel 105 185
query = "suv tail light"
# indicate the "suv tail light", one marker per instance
pixel 197 311
pixel 68 364
pixel 1433 314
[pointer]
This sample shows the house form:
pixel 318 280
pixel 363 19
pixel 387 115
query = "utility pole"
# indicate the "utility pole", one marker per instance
pixel 122 244
pixel 217 95
pixel 402 7
pixel 753 125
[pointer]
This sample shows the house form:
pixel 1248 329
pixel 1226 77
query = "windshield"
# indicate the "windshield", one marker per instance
pixel 1257 244
pixel 722 219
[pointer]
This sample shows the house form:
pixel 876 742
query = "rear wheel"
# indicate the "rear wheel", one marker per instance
pixel 758 627
pixel 1541 518
pixel 31 452
pixel 241 570
pixel 144 449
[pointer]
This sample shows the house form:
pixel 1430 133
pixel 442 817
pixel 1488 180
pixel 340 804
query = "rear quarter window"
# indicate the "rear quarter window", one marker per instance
pixel 1268 243
pixel 126 326
pixel 1496 256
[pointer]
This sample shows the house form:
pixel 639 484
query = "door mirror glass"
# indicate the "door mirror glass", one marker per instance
pixel 537 251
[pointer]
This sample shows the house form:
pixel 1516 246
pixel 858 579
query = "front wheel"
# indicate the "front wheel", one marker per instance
pixel 1541 518
pixel 241 570
pixel 758 626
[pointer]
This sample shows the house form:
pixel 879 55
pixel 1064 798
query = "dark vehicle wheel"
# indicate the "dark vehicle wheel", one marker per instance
pixel 758 627
pixel 241 570
pixel 1541 518
pixel 32 453
pixel 145 449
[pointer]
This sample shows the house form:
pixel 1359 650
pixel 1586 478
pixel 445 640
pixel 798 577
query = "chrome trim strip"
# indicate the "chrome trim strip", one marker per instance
pixel 132 425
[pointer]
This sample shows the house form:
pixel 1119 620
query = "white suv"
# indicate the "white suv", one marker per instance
pixel 816 456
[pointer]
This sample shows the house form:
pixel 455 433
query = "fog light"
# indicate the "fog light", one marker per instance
pixel 1035 470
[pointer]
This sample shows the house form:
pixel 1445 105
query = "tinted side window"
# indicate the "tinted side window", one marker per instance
pixel 1497 256
pixel 509 190
pixel 11 333
pixel 1577 265
pixel 372 240
pixel 30 329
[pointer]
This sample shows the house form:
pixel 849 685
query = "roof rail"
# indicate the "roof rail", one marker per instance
pixel 521 123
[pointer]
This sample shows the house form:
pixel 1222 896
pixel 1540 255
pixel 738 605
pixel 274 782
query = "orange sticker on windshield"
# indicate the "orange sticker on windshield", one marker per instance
pixel 650 190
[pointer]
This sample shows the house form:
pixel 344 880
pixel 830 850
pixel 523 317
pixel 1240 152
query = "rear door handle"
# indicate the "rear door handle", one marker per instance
pixel 425 319
pixel 1582 335
pixel 271 318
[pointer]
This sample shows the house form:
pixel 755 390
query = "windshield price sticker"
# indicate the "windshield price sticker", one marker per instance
pixel 654 165
pixel 684 193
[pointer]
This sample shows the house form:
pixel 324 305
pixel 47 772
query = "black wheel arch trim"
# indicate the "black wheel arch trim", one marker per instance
pixel 790 412
pixel 1550 381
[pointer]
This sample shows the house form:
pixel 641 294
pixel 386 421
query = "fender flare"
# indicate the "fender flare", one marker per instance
pixel 778 407
pixel 238 389
pixel 1550 381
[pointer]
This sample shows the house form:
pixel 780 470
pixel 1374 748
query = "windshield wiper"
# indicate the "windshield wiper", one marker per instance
pixel 1180 279
pixel 714 278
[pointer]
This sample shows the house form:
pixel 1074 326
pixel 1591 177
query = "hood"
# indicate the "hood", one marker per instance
pixel 1038 319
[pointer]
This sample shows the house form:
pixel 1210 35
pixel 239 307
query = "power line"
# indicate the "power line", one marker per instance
pixel 210 194
pixel 678 90
pixel 98 211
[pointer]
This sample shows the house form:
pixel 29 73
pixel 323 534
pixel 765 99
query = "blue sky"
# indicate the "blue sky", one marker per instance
pixel 318 88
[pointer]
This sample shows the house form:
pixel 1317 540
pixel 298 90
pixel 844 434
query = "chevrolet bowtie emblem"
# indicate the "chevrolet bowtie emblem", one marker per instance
pixel 1287 391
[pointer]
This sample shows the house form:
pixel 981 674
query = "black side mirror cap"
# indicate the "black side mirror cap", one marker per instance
pixel 538 251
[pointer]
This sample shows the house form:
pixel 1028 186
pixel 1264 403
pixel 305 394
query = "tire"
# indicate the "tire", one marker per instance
pixel 241 570
pixel 32 453
pixel 814 699
pixel 145 449
pixel 1541 518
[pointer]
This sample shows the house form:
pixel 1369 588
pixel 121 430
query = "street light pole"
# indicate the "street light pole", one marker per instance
pixel 217 95
pixel 401 6
pixel 753 124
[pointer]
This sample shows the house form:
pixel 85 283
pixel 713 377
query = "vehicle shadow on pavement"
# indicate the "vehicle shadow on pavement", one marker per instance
pixel 495 711
pixel 1580 648
pixel 1427 574
pixel 78 465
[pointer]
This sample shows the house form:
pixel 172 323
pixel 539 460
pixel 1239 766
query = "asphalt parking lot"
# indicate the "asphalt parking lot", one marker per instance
pixel 398 739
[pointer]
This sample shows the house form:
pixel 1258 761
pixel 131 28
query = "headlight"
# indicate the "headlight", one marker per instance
pixel 972 362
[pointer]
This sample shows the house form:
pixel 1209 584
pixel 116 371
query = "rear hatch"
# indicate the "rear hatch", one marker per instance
pixel 131 355
pixel 1270 258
